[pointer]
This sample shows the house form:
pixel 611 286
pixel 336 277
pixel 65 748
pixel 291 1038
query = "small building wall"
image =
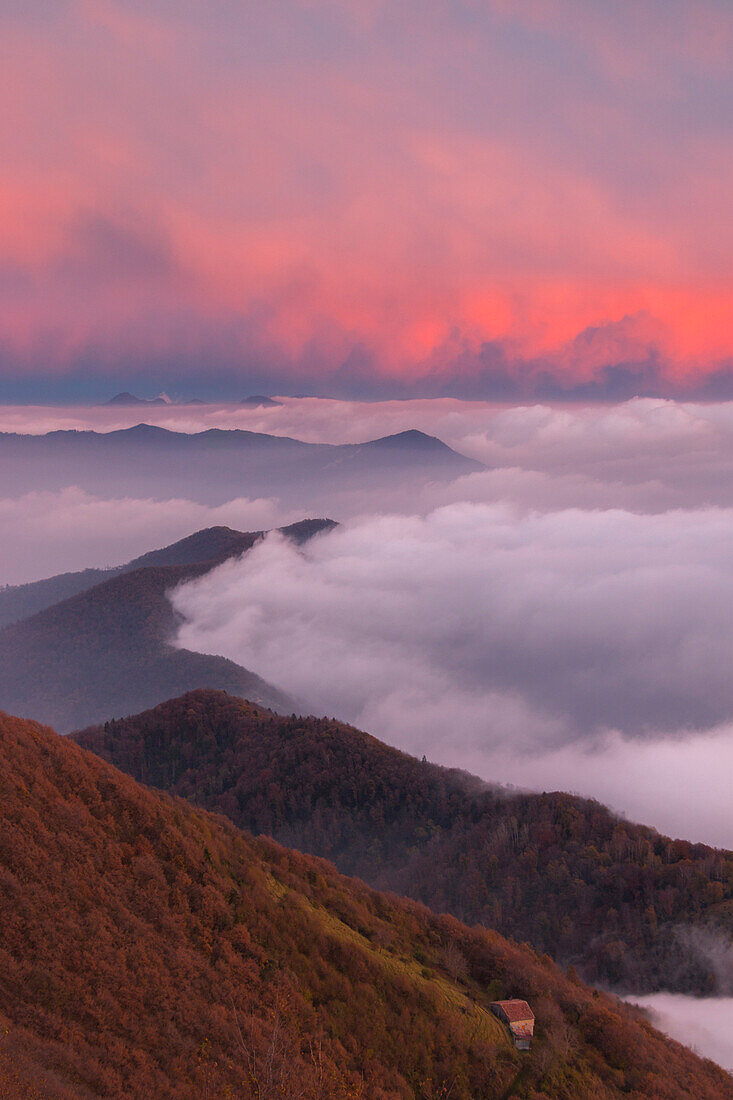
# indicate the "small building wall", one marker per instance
pixel 519 1018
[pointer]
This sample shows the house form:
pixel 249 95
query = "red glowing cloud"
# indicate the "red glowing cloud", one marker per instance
pixel 417 193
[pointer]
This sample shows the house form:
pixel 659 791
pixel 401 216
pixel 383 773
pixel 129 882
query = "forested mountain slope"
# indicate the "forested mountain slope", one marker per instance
pixel 107 650
pixel 149 950
pixel 611 897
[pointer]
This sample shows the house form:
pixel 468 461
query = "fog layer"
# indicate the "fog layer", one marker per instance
pixel 700 1023
pixel 575 649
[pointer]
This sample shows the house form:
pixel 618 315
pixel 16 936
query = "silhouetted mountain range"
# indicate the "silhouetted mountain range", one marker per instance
pixel 216 465
pixel 106 649
pixel 611 897
pixel 259 401
pixel 150 950
pixel 209 545
pixel 127 398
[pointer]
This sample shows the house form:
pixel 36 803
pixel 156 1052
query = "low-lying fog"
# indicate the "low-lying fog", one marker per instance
pixel 703 1023
pixel 588 650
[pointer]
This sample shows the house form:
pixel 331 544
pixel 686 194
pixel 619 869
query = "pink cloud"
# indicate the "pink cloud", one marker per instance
pixel 326 180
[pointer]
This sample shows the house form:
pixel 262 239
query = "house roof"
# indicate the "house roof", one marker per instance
pixel 515 1011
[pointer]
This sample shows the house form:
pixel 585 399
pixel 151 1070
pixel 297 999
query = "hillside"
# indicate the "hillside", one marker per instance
pixel 149 950
pixel 217 465
pixel 211 544
pixel 106 650
pixel 561 872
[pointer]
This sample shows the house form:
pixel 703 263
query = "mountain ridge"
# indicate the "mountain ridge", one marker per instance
pixel 109 646
pixel 564 873
pixel 217 465
pixel 209 543
pixel 127 398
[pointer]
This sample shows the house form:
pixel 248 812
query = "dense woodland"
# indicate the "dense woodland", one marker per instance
pixel 594 891
pixel 150 950
pixel 106 650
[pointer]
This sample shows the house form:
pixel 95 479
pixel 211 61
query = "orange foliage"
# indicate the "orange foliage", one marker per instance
pixel 148 949
pixel 560 871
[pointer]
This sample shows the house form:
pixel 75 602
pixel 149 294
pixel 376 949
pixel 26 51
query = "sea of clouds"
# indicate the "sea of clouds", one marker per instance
pixel 561 619
pixel 589 650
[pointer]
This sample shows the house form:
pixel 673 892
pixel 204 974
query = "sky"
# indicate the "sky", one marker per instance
pixel 365 199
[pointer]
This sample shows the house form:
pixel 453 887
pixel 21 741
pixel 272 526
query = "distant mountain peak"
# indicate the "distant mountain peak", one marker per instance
pixel 147 431
pixel 260 401
pixel 412 441
pixel 411 437
pixel 127 398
